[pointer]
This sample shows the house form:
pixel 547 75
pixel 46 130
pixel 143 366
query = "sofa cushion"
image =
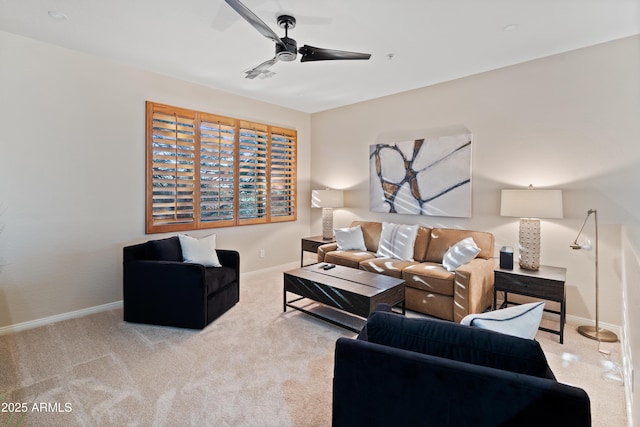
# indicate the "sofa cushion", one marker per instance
pixel 350 238
pixel 397 241
pixel 387 266
pixel 348 258
pixel 520 321
pixel 458 342
pixel 430 303
pixel 371 233
pixel 199 251
pixel 460 253
pixel 443 238
pixel 430 277
pixel 166 249
pixel 422 243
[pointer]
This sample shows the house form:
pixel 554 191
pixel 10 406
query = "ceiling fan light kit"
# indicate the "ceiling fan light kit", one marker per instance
pixel 287 48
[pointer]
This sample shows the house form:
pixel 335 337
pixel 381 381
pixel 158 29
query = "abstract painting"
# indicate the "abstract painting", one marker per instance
pixel 429 176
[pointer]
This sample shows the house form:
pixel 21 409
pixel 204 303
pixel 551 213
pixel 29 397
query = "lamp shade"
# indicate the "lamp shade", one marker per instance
pixel 327 199
pixel 531 203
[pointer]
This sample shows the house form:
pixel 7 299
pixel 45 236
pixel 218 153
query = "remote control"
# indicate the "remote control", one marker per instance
pixel 329 266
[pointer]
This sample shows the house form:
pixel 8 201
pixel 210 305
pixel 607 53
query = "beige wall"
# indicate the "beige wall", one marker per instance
pixel 72 164
pixel 631 318
pixel 72 156
pixel 569 121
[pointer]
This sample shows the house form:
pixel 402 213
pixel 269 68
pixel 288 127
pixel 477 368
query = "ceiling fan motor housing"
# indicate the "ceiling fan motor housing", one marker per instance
pixel 288 51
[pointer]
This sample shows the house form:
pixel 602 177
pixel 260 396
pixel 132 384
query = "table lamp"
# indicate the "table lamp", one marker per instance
pixel 530 205
pixel 327 200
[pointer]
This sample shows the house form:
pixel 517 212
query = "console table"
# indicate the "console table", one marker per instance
pixel 547 283
pixel 311 244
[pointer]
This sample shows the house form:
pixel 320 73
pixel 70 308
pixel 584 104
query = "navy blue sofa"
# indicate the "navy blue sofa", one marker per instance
pixel 427 372
pixel 160 289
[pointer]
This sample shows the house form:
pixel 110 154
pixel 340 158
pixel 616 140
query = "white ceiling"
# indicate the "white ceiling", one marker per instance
pixel 432 41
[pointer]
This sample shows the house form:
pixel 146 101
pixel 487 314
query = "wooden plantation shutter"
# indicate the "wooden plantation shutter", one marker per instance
pixel 252 173
pixel 171 168
pixel 217 171
pixel 283 160
pixel 207 171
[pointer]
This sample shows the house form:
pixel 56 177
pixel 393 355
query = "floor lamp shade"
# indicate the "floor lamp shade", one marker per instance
pixel 530 205
pixel 327 200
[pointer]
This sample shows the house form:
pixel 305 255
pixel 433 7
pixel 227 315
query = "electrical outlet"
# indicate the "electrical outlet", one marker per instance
pixel 261 253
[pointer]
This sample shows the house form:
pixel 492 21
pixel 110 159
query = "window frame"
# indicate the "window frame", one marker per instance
pixel 186 176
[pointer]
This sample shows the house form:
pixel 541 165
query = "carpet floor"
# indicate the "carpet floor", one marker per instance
pixel 254 366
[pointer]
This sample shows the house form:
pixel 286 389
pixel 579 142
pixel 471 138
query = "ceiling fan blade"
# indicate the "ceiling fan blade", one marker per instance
pixel 310 53
pixel 253 19
pixel 261 70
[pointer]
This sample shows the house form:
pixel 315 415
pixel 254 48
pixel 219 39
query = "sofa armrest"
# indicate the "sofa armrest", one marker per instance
pixel 375 385
pixel 323 249
pixel 473 291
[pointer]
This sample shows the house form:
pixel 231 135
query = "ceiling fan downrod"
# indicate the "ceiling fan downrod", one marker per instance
pixel 288 50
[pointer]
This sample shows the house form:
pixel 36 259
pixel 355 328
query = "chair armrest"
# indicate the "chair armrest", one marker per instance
pixel 229 258
pixel 382 307
pixel 135 252
pixel 163 275
pixel 369 379
pixel 164 293
pixel 323 249
pixel 473 291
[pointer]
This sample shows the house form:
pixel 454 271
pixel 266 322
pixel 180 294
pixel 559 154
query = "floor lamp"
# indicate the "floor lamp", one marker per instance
pixel 593 332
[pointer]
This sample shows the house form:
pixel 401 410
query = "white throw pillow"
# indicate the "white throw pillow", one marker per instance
pixel 350 238
pixel 397 241
pixel 199 251
pixel 460 253
pixel 520 320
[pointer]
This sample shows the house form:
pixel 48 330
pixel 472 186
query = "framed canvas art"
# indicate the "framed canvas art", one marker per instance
pixel 428 176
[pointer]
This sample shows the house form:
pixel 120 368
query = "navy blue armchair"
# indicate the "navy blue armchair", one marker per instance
pixel 428 372
pixel 160 289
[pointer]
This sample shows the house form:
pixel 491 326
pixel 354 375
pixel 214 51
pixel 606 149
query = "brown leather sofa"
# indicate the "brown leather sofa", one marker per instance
pixel 429 287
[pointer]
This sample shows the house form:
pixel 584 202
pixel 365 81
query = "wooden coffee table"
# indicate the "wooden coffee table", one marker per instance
pixel 354 291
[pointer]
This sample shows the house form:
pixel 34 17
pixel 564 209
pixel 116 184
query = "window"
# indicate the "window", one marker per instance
pixel 207 171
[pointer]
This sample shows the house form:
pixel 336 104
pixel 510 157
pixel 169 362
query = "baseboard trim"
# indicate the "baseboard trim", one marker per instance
pixel 575 320
pixel 272 269
pixel 17 327
pixel 118 304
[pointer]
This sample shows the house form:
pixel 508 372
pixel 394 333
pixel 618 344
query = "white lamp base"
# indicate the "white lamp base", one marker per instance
pixel 327 223
pixel 529 241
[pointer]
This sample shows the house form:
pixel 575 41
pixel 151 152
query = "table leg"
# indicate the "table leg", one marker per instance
pixel 563 314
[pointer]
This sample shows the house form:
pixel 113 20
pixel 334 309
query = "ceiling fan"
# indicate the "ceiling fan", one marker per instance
pixel 287 48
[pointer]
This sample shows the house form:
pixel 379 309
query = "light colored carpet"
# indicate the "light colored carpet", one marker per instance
pixel 254 366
